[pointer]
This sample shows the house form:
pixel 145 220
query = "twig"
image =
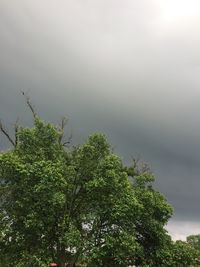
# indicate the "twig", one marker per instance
pixel 69 139
pixel 5 132
pixel 62 125
pixel 29 104
pixel 16 127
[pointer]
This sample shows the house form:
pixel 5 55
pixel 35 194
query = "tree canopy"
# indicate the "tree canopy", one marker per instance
pixel 78 206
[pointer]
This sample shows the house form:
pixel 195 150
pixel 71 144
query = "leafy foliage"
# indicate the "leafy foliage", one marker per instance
pixel 194 241
pixel 78 206
pixel 183 254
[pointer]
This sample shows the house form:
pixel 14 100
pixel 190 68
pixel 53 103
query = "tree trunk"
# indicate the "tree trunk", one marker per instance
pixel 62 257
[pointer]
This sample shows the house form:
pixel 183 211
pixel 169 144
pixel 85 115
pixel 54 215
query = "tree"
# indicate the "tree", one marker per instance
pixel 194 241
pixel 183 254
pixel 77 206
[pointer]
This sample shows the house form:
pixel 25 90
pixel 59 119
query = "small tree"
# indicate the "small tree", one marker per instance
pixel 78 206
pixel 194 241
pixel 183 254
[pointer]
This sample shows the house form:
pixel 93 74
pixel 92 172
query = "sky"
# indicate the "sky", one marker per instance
pixel 129 69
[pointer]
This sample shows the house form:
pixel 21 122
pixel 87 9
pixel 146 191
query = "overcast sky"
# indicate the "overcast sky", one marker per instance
pixel 128 68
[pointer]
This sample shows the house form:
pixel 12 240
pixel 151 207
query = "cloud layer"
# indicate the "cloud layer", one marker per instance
pixel 127 68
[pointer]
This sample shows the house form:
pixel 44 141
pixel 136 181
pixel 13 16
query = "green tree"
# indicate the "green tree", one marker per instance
pixel 78 206
pixel 184 255
pixel 194 241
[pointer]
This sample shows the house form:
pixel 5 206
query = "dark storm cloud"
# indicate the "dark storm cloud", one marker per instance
pixel 126 68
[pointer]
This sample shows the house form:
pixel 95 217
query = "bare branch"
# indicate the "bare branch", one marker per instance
pixel 16 127
pixel 139 166
pixel 69 139
pixel 29 104
pixel 62 125
pixel 64 121
pixel 135 163
pixel 5 132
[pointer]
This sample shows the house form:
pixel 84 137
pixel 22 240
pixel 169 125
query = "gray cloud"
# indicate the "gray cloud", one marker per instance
pixel 126 68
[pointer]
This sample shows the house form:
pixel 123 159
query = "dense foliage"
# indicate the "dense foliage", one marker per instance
pixel 80 206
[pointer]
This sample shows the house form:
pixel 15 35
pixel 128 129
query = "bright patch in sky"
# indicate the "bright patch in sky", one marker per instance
pixel 179 10
pixel 179 230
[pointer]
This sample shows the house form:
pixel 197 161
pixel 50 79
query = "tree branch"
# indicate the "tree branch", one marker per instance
pixel 16 127
pixel 62 125
pixel 5 132
pixel 68 140
pixel 140 167
pixel 29 104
